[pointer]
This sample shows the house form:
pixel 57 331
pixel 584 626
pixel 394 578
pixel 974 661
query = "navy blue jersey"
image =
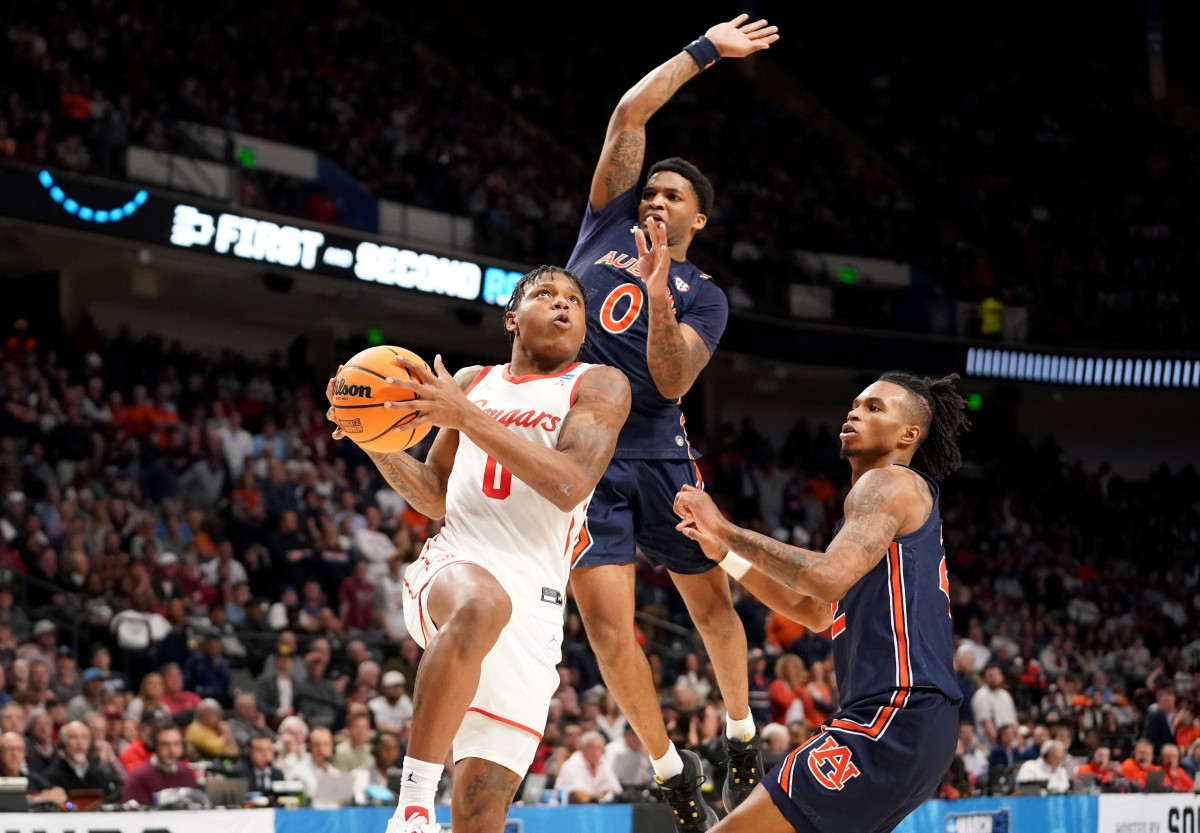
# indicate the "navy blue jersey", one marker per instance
pixel 605 259
pixel 892 631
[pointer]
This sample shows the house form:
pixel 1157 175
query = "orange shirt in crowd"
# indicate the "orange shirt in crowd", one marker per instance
pixel 1176 779
pixel 1102 775
pixel 1134 774
pixel 782 631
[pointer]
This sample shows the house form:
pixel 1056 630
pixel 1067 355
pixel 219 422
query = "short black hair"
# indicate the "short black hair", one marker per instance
pixel 700 184
pixel 944 417
pixel 533 276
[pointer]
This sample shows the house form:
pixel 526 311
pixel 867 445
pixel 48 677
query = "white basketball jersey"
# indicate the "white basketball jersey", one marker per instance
pixel 496 520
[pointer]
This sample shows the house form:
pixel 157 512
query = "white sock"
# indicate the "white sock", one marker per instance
pixel 668 766
pixel 419 787
pixel 742 729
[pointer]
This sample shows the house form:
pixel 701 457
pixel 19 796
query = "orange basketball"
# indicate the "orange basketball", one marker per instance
pixel 359 392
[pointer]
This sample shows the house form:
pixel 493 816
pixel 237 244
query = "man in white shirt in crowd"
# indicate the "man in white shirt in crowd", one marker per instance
pixel 586 776
pixel 320 750
pixel 374 545
pixel 993 706
pixel 1048 767
pixel 975 757
pixel 389 599
pixel 629 759
pixel 393 707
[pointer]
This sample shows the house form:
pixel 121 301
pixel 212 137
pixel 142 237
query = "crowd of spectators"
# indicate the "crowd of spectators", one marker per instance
pixel 188 559
pixel 1043 186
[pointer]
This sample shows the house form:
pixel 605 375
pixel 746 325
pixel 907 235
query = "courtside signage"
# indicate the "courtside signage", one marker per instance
pixel 120 210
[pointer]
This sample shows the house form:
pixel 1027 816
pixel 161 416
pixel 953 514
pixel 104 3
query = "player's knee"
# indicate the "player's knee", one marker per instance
pixel 610 637
pixel 479 623
pixel 716 620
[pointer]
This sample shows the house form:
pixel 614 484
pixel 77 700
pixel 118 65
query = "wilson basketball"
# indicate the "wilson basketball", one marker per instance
pixel 359 392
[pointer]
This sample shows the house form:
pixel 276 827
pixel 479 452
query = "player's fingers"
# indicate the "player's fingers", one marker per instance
pixel 754 26
pixel 688 488
pixel 416 422
pixel 440 368
pixel 406 405
pixel 739 20
pixel 762 33
pixel 417 370
pixel 331 415
pixel 765 43
pixel 640 239
pixel 404 384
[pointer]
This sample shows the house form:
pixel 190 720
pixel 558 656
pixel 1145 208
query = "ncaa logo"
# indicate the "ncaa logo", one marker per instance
pixel 681 285
pixel 997 821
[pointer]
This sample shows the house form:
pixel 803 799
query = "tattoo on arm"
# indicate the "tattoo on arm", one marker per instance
pixel 413 480
pixel 873 517
pixel 674 358
pixel 625 162
pixel 625 143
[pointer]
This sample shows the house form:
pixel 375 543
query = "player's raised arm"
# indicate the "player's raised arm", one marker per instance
pixel 880 504
pixel 423 485
pixel 624 149
pixel 564 475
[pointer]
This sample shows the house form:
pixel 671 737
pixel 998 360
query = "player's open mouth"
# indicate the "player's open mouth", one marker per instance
pixel 847 429
pixel 563 321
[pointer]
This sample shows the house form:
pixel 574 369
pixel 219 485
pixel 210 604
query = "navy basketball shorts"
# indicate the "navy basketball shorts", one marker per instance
pixel 632 504
pixel 869 767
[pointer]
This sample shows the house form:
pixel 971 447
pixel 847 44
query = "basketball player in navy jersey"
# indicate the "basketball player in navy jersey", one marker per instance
pixel 881 587
pixel 519 453
pixel 661 333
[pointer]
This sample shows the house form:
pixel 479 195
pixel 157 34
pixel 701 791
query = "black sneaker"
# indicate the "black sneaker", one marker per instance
pixel 682 793
pixel 745 770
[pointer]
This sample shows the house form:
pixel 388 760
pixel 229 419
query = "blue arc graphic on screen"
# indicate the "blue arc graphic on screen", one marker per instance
pixel 92 215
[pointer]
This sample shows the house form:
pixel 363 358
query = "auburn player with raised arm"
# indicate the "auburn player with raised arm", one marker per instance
pixel 519 453
pixel 883 580
pixel 660 330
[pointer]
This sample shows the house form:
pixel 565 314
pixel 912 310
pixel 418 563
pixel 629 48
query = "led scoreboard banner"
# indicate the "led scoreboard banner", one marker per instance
pixel 125 211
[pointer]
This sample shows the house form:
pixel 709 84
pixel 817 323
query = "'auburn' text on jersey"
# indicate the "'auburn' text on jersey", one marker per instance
pixel 605 259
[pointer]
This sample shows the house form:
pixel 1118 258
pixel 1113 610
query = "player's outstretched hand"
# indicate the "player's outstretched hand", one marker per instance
pixel 654 258
pixel 736 38
pixel 439 400
pixel 338 433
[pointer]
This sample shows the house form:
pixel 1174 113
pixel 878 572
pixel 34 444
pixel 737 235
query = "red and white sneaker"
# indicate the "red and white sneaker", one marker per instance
pixel 413 819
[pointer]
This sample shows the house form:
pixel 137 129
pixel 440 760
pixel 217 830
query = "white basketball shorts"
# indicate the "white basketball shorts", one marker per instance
pixel 518 677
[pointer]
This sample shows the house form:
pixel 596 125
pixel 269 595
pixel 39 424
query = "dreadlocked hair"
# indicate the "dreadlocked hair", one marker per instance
pixel 528 279
pixel 945 414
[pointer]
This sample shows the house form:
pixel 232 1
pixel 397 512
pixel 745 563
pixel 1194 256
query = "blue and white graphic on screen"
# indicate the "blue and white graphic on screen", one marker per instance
pixel 88 213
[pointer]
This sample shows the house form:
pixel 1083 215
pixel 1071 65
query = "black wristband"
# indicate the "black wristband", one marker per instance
pixel 704 52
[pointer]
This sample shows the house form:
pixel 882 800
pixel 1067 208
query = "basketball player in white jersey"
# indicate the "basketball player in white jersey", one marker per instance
pixel 521 449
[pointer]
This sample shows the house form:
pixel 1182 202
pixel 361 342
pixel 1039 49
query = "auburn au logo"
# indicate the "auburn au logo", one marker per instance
pixel 342 389
pixel 830 764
